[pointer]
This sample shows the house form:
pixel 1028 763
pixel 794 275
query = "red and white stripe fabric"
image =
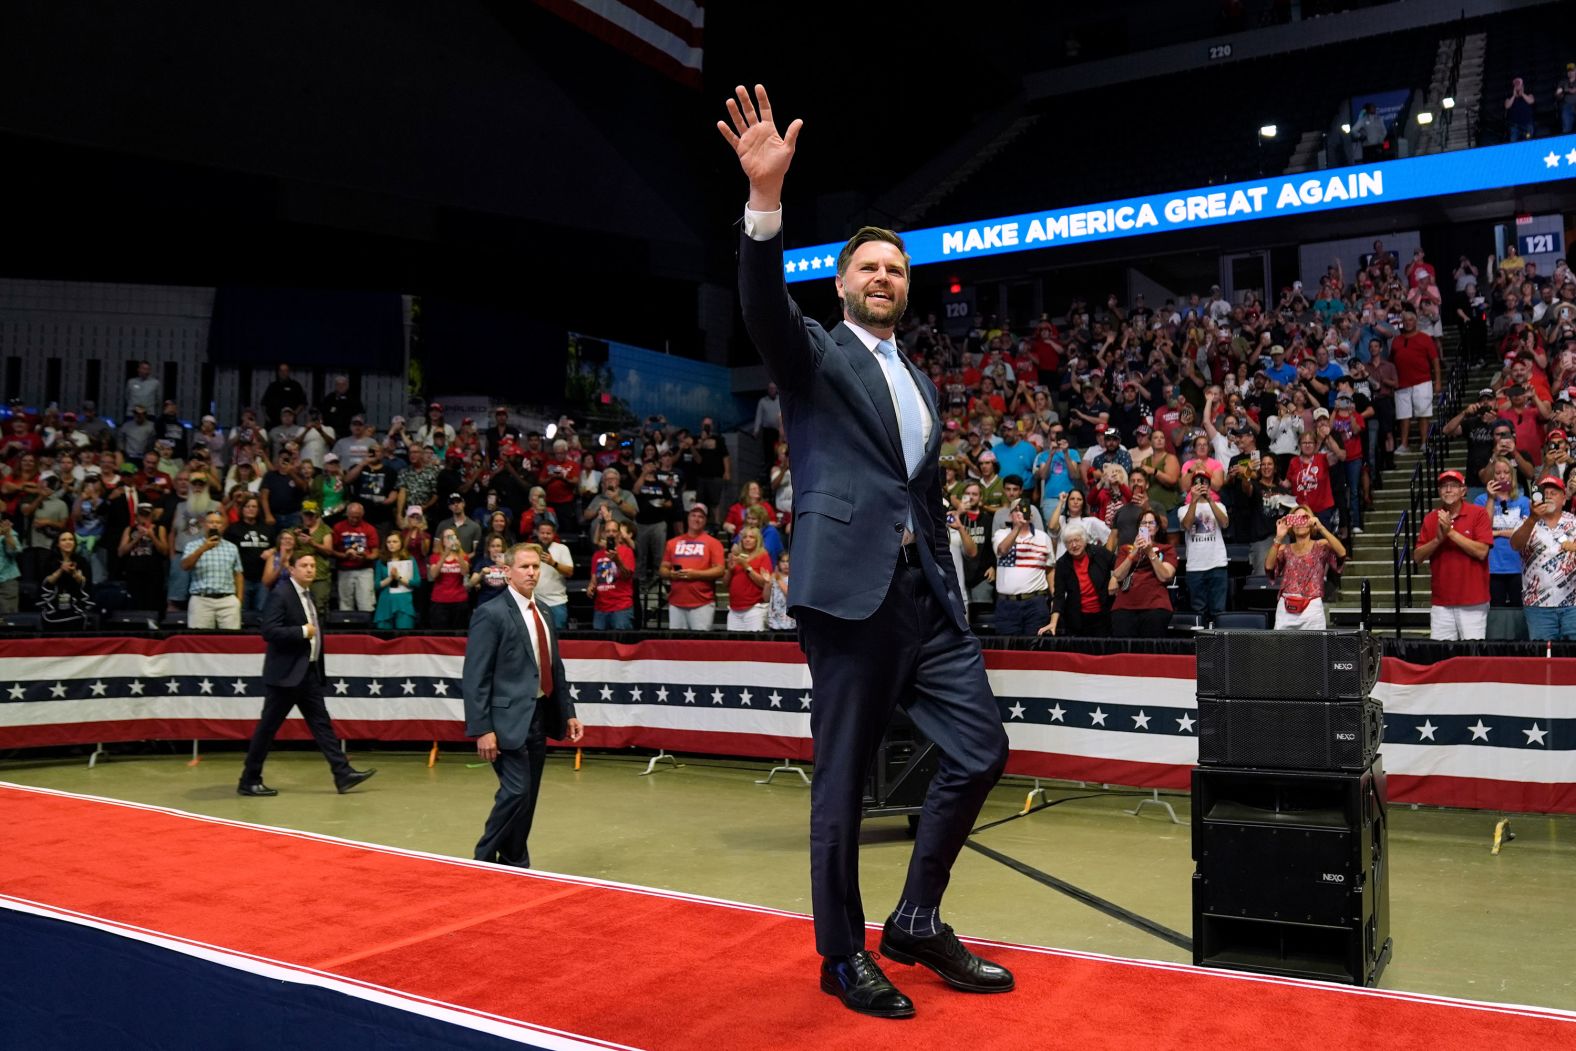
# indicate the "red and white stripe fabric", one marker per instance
pixel 664 34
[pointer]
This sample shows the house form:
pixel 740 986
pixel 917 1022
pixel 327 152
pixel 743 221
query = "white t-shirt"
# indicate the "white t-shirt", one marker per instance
pixel 1205 540
pixel 550 590
pixel 1548 574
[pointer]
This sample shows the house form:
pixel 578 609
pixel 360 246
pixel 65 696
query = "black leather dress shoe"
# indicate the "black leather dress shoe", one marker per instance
pixel 352 779
pixel 945 955
pixel 258 789
pixel 857 981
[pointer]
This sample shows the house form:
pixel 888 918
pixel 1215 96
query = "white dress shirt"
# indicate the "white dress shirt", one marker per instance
pixel 311 618
pixel 530 632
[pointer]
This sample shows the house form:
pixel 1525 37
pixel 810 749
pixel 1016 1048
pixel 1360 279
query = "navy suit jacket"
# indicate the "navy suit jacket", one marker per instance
pixel 289 652
pixel 851 490
pixel 501 678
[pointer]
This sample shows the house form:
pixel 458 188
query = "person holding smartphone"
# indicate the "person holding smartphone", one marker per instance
pixel 1144 567
pixel 1547 544
pixel 1508 507
pixel 450 569
pixel 1303 554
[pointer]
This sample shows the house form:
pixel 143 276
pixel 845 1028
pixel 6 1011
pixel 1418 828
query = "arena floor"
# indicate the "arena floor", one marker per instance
pixel 1465 923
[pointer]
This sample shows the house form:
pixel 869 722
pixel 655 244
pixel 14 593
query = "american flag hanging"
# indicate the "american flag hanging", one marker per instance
pixel 664 34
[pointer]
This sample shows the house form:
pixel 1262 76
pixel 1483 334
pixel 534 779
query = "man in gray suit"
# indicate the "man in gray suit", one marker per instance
pixel 880 620
pixel 516 697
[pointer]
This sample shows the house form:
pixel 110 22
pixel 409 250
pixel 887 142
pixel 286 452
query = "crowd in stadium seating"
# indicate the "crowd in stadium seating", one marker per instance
pixel 1102 468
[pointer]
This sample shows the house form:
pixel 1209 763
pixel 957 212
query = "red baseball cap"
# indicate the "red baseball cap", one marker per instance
pixel 1453 476
pixel 1555 435
pixel 1552 479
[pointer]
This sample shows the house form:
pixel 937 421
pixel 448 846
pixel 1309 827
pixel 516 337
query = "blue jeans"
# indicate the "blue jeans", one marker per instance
pixel 1020 618
pixel 1206 590
pixel 613 620
pixel 1551 622
pixel 256 597
pixel 558 614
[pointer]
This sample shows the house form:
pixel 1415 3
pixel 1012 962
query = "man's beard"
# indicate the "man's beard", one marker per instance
pixel 199 499
pixel 880 315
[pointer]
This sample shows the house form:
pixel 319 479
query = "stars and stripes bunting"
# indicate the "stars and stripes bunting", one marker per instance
pixel 1477 732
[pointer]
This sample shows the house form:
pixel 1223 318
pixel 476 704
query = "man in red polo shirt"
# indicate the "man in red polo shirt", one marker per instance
pixel 1455 539
pixel 1416 359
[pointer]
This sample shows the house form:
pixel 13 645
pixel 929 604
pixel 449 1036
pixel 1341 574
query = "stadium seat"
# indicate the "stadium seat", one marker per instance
pixel 1257 592
pixel 349 618
pixel 1255 619
pixel 175 620
pixel 1184 625
pixel 21 622
pixel 132 619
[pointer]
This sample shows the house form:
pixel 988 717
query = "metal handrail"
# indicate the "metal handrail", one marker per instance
pixel 1420 486
pixel 1400 551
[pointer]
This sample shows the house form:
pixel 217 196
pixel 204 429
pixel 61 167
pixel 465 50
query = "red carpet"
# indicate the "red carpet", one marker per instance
pixel 642 968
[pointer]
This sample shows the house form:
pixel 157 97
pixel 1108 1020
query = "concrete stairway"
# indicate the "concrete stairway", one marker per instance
pixel 1371 554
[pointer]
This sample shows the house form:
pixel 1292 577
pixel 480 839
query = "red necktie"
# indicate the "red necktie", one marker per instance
pixel 544 654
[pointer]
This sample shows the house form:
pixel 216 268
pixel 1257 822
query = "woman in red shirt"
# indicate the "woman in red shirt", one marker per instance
pixel 749 496
pixel 1142 608
pixel 749 572
pixel 1309 478
pixel 1301 562
pixel 449 607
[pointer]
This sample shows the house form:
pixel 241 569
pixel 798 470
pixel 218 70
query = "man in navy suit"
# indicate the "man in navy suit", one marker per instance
pixel 880 619
pixel 516 696
pixel 293 677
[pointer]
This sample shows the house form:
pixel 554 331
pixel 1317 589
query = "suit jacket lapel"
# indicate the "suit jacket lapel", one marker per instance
pixel 518 620
pixel 869 372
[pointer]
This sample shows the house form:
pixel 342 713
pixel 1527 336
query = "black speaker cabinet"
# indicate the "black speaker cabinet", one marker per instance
pixel 901 774
pixel 1292 873
pixel 1289 735
pixel 1287 665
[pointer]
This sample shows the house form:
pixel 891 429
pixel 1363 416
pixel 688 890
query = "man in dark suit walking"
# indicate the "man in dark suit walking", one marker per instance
pixel 516 697
pixel 880 621
pixel 293 677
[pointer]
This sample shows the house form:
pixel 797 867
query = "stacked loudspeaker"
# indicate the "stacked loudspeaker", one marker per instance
pixel 1289 820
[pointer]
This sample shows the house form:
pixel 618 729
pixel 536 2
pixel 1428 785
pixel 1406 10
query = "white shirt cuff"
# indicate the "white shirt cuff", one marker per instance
pixel 304 629
pixel 762 226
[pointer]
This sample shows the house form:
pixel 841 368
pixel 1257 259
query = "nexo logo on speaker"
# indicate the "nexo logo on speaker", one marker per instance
pixel 1343 665
pixel 1334 877
pixel 1344 736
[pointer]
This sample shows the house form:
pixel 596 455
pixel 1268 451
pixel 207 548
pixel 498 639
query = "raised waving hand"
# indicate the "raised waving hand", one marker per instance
pixel 763 154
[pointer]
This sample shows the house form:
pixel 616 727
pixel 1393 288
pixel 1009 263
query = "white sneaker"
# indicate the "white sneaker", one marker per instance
pixel 1357 530
pixel 1401 450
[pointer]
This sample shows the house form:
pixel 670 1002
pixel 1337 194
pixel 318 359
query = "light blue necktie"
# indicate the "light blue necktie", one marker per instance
pixel 909 425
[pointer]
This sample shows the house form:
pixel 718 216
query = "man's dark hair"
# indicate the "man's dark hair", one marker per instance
pixel 299 553
pixel 866 235
pixel 1013 479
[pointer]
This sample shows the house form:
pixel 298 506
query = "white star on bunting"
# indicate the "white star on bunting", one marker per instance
pixel 574 692
pixel 804 702
pixel 137 687
pixel 689 696
pixel 634 693
pixel 16 691
pixel 58 690
pixel 1480 732
pixel 408 686
pixel 341 686
pixel 1057 713
pixel 776 699
pixel 744 698
pixel 1016 710
pixel 375 688
pixel 173 685
pixel 1141 721
pixel 716 696
pixel 1426 731
pixel 662 695
pixel 1535 735
pixel 607 692
pixel 98 688
pixel 205 686
pixel 441 688
pixel 1185 724
pixel 239 686
pixel 1097 718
